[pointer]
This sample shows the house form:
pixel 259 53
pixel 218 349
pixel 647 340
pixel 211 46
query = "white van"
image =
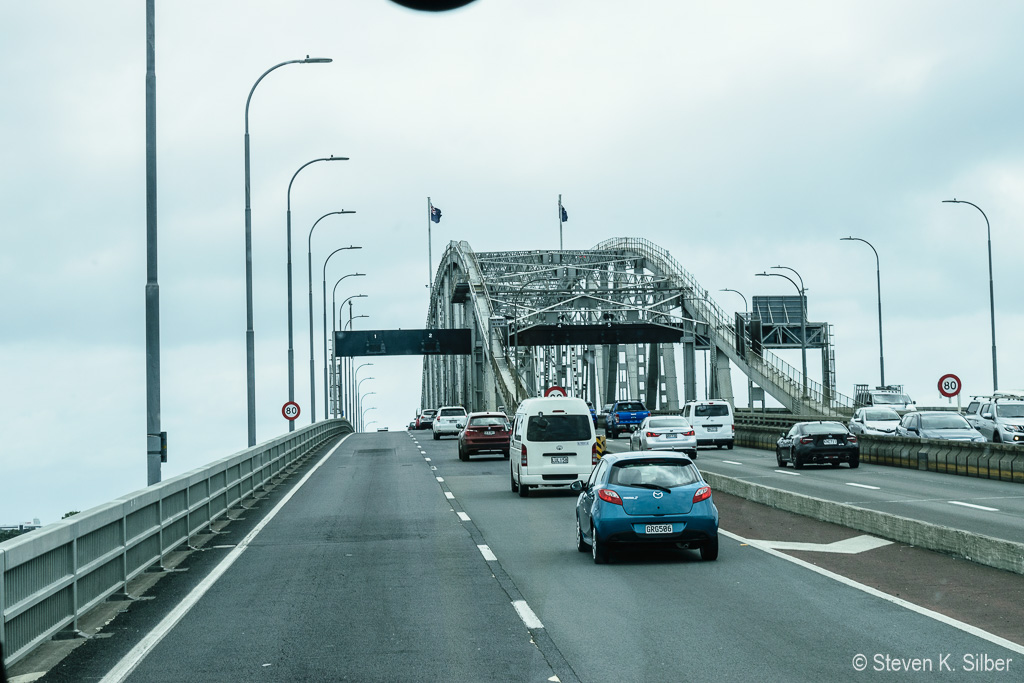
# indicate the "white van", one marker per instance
pixel 712 422
pixel 552 443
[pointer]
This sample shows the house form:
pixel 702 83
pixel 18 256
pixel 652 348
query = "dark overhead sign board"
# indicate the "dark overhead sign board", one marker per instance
pixel 606 333
pixel 402 342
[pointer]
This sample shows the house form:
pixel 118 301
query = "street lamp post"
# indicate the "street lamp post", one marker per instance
pixel 362 417
pixel 746 312
pixel 250 336
pixel 309 272
pixel 291 351
pixel 359 403
pixel 334 292
pixel 878 279
pixel 347 378
pixel 355 373
pixel 991 288
pixel 803 317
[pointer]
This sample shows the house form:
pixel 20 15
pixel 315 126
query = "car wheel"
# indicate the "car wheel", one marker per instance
pixel 581 545
pixel 524 490
pixel 709 551
pixel 728 446
pixel 504 454
pixel 778 458
pixel 996 438
pixel 598 552
pixel 463 456
pixel 798 464
pixel 855 462
pixel 693 454
pixel 512 481
pixel 437 437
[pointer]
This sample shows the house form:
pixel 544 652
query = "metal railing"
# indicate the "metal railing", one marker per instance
pixel 50 577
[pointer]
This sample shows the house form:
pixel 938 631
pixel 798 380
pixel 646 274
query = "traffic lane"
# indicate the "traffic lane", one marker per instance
pixel 366 574
pixel 981 506
pixel 627 620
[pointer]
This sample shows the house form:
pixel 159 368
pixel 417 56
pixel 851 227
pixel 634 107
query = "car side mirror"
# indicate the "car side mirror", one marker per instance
pixel 987 416
pixel 576 486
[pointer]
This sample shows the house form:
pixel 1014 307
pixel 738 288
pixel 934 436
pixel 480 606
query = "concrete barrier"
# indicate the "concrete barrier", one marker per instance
pixel 993 552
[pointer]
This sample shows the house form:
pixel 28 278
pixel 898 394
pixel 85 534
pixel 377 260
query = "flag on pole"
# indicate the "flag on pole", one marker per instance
pixel 565 216
pixel 435 214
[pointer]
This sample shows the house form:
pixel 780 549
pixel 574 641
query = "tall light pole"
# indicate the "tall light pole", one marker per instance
pixel 355 373
pixel 803 317
pixel 154 439
pixel 359 403
pixel 250 337
pixel 747 314
pixel 291 350
pixel 991 288
pixel 362 417
pixel 349 376
pixel 333 294
pixel 878 279
pixel 309 271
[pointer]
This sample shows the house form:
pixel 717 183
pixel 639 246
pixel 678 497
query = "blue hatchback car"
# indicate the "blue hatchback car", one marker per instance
pixel 645 499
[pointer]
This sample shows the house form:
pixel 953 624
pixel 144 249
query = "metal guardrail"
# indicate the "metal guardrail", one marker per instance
pixel 50 577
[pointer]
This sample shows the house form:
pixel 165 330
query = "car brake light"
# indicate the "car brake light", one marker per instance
pixel 609 496
pixel 807 439
pixel 733 429
pixel 523 461
pixel 652 434
pixel 851 439
pixel 593 453
pixel 703 493
pixel 689 433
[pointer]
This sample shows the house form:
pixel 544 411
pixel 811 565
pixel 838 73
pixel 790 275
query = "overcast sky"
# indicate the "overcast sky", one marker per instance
pixel 737 135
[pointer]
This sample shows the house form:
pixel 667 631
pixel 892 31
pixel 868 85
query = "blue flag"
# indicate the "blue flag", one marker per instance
pixel 435 214
pixel 565 216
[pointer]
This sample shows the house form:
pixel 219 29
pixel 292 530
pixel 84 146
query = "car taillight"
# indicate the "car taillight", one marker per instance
pixel 851 439
pixel 523 461
pixel 689 433
pixel 593 453
pixel 703 493
pixel 609 496
pixel 807 439
pixel 733 429
pixel 652 434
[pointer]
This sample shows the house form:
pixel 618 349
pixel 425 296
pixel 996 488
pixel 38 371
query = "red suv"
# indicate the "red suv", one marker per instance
pixel 484 433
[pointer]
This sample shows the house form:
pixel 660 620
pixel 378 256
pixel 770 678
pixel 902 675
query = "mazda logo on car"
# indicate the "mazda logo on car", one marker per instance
pixel 658 494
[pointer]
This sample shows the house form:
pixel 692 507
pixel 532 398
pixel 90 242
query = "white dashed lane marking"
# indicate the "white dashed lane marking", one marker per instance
pixel 486 552
pixel 795 474
pixel 449 495
pixel 863 486
pixel 527 614
pixel 731 462
pixel 463 516
pixel 971 505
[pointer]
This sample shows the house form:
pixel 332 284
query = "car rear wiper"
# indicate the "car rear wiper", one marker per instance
pixel 658 487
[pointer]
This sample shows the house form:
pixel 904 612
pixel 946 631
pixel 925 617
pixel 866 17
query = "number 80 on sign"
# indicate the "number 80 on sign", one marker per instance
pixel 949 385
pixel 290 410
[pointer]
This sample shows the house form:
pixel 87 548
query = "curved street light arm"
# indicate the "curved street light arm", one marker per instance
pixel 878 278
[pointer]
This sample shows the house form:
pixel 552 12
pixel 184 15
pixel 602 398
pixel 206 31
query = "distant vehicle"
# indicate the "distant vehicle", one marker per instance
pixel 664 433
pixel 485 433
pixel 890 396
pixel 593 413
pixel 449 421
pixel 819 443
pixel 712 421
pixel 624 416
pixel 645 499
pixel 999 417
pixel 412 425
pixel 382 429
pixel 426 419
pixel 925 424
pixel 880 421
pixel 552 444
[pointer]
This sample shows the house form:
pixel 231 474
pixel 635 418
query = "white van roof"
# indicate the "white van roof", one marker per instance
pixel 551 404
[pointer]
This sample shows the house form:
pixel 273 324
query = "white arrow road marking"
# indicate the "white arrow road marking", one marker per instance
pixel 849 546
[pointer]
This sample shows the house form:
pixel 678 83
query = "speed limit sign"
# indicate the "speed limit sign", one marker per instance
pixel 949 385
pixel 290 410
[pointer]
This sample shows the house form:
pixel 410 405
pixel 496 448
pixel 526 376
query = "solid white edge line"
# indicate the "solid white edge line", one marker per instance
pixel 130 661
pixel 972 505
pixel 924 611
pixel 526 614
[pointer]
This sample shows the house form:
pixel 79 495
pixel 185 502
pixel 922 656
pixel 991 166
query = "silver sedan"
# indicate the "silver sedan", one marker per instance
pixel 664 433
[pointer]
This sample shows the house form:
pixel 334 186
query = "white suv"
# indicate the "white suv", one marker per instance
pixel 449 420
pixel 1000 417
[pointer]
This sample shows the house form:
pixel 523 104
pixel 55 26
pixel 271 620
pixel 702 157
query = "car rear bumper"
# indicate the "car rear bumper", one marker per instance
pixel 715 440
pixel 686 529
pixel 823 455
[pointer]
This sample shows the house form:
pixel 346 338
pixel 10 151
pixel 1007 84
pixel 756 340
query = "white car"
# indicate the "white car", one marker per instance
pixel 664 433
pixel 880 421
pixel 449 421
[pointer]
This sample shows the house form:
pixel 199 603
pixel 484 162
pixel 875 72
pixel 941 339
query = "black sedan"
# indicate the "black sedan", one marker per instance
pixel 818 443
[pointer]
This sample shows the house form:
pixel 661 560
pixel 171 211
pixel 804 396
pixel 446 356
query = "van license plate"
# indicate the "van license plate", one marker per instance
pixel 559 459
pixel 659 528
pixel 712 429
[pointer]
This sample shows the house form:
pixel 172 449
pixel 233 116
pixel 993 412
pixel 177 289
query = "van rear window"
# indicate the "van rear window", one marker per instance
pixel 711 411
pixel 558 428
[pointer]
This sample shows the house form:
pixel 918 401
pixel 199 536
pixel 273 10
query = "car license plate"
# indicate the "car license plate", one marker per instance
pixel 559 459
pixel 489 433
pixel 671 436
pixel 659 529
pixel 712 429
pixel 829 442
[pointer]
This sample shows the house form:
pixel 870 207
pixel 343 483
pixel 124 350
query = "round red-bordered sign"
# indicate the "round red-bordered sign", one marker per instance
pixel 555 391
pixel 949 385
pixel 290 410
